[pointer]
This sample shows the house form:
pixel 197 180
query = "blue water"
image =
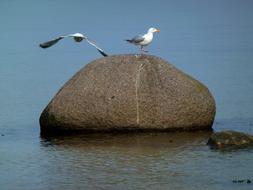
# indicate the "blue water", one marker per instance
pixel 210 40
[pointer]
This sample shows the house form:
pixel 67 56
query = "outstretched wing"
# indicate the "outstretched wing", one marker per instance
pixel 77 37
pixel 51 42
pixel 98 48
pixel 136 39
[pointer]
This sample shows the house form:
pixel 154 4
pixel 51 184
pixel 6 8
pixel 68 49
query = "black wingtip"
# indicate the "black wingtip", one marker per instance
pixel 103 53
pixel 43 46
pixel 50 43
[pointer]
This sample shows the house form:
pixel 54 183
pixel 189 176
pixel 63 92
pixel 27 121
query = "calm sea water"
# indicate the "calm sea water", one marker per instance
pixel 210 40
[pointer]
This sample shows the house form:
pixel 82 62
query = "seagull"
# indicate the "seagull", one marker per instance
pixel 78 37
pixel 143 40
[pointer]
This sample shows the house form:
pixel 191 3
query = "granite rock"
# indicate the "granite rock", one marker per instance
pixel 129 92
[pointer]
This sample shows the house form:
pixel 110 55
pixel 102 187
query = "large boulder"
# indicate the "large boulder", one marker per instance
pixel 129 92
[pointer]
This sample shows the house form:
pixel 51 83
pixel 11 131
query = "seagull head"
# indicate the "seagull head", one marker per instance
pixel 153 30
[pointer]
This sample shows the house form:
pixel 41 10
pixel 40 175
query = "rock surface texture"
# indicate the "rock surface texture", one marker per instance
pixel 230 140
pixel 129 92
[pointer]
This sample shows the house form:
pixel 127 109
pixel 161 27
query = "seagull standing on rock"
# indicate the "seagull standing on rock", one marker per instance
pixel 78 37
pixel 143 40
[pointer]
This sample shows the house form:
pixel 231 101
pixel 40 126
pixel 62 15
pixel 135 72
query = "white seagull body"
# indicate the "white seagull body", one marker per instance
pixel 143 40
pixel 78 37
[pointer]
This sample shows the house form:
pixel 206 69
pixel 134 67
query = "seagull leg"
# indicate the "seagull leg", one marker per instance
pixel 143 51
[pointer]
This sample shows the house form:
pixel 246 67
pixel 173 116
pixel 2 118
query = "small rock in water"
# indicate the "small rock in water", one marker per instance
pixel 242 181
pixel 230 140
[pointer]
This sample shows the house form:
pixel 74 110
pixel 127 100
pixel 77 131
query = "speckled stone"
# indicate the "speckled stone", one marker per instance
pixel 230 140
pixel 129 92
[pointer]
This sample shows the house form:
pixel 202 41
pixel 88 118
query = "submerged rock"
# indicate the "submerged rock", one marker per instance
pixel 230 140
pixel 129 92
pixel 242 181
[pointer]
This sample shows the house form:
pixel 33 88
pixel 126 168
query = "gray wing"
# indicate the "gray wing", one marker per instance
pixel 136 39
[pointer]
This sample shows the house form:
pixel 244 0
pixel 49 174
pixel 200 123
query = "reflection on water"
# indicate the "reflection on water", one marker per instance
pixel 136 142
pixel 133 145
pixel 125 161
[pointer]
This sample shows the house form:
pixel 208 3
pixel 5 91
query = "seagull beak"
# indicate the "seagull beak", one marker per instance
pixel 157 30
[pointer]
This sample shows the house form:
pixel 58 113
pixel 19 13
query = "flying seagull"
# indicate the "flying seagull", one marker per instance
pixel 143 40
pixel 77 37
